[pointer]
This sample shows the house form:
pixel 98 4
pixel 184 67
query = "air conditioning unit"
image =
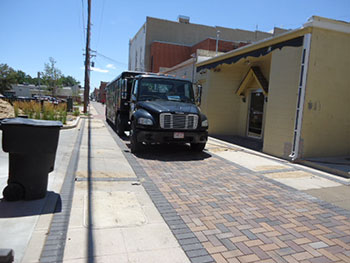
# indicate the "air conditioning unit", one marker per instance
pixel 183 19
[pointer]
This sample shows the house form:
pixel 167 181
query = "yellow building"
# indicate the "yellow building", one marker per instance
pixel 291 91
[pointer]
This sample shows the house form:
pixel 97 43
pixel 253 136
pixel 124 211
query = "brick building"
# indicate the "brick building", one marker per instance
pixel 163 43
pixel 102 93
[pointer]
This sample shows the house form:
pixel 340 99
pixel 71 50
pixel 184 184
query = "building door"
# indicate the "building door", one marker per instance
pixel 256 113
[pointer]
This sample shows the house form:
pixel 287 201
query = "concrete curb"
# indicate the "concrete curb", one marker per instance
pixel 74 125
pixel 325 168
pixel 53 249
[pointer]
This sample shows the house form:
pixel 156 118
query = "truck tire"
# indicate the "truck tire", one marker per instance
pixel 135 146
pixel 197 147
pixel 119 125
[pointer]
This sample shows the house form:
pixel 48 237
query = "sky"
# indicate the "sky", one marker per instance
pixel 31 31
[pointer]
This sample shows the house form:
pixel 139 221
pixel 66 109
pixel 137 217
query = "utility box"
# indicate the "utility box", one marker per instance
pixel 32 146
pixel 69 104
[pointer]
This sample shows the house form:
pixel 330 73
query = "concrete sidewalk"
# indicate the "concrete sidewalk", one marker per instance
pixel 112 219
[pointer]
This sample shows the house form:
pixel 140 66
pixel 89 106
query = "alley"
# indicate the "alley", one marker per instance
pixel 219 210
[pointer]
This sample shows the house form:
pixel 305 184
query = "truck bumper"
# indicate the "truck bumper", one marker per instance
pixel 168 137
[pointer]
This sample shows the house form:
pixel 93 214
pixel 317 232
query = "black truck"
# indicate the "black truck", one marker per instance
pixel 156 109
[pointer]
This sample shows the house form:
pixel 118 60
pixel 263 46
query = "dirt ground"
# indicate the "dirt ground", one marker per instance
pixel 6 110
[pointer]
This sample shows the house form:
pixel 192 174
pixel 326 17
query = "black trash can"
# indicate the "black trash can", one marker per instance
pixel 32 146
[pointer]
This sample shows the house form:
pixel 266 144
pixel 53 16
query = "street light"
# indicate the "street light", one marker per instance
pixel 194 56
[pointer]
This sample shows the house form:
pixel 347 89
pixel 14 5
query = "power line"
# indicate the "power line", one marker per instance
pixel 100 24
pixel 82 9
pixel 111 59
pixel 81 33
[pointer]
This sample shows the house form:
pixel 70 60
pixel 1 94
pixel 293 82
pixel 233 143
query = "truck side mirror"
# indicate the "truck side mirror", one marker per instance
pixel 199 95
pixel 133 98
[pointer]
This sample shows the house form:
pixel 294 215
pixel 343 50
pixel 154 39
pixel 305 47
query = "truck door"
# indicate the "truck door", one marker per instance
pixel 133 98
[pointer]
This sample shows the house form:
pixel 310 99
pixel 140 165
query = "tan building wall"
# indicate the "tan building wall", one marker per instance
pixel 204 81
pixel 281 105
pixel 326 119
pixel 325 127
pixel 223 104
pixel 226 112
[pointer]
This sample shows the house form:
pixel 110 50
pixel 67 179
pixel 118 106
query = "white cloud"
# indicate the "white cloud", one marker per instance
pixel 111 66
pixel 99 70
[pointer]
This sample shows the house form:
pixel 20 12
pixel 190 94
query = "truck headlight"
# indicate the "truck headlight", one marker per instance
pixel 205 123
pixel 145 121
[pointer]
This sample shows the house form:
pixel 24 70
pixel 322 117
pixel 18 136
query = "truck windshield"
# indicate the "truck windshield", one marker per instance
pixel 163 89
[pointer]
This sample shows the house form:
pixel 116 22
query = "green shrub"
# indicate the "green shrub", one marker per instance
pixel 76 111
pixel 64 117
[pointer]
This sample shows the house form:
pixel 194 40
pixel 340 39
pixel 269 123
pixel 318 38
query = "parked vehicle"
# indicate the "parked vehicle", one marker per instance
pixel 118 94
pixel 156 109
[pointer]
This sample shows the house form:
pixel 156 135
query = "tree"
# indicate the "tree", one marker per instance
pixel 51 76
pixel 7 77
pixel 23 78
pixel 68 81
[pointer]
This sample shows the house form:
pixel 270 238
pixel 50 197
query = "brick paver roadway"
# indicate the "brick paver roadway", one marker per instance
pixel 240 216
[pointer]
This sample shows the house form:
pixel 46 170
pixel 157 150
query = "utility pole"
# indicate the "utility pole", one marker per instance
pixel 87 61
pixel 39 85
pixel 217 42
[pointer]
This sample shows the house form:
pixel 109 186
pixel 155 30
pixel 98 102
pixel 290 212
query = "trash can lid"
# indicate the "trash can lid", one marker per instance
pixel 31 122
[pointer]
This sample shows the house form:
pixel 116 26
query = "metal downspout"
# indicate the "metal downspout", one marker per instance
pixel 301 97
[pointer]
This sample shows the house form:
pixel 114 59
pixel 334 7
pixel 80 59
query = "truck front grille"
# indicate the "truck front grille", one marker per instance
pixel 178 121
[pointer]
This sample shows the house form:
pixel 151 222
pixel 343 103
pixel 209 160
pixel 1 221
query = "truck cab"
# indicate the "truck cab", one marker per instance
pixel 163 110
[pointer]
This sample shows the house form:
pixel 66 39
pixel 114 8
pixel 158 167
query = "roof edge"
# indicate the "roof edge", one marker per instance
pixel 326 23
pixel 259 44
pixel 313 22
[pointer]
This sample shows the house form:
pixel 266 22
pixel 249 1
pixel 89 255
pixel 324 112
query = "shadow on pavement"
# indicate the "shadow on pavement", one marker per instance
pixel 165 152
pixel 90 235
pixel 250 143
pixel 124 138
pixel 170 153
pixel 52 203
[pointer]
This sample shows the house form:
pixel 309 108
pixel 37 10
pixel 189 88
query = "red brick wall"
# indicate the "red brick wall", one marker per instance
pixel 168 55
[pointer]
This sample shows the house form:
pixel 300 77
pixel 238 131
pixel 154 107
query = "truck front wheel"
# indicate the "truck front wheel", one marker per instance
pixel 135 146
pixel 197 147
